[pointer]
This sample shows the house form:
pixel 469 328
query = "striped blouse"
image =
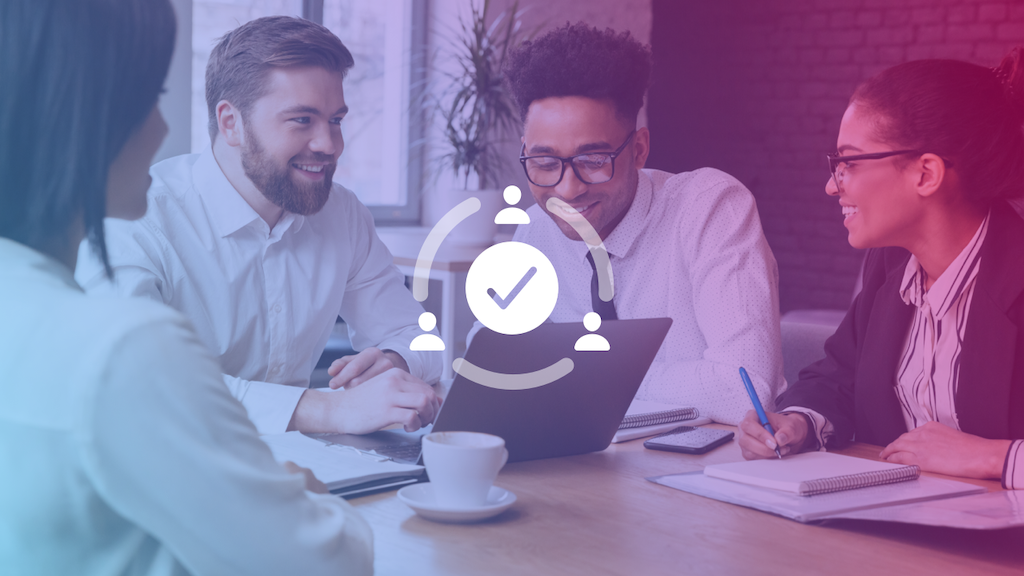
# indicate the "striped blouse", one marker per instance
pixel 929 370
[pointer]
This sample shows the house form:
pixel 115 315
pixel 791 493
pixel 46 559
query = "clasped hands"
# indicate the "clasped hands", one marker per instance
pixel 933 446
pixel 378 392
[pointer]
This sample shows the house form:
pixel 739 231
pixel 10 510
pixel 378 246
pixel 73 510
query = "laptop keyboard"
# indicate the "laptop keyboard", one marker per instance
pixel 409 452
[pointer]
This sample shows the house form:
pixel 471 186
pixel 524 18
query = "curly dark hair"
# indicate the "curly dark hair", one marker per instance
pixel 577 60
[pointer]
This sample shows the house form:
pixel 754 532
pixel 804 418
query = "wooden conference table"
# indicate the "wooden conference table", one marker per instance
pixel 596 514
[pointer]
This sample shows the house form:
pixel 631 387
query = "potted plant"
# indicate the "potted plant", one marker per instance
pixel 479 114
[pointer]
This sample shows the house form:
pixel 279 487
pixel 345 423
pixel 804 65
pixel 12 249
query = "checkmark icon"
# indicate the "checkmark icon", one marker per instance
pixel 503 303
pixel 490 291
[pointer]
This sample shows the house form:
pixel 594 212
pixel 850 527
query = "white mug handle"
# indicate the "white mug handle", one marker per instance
pixel 504 458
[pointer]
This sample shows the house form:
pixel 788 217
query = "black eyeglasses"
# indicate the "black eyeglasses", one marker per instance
pixel 590 168
pixel 837 164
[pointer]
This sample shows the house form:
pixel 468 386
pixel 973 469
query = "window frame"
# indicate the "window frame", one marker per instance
pixel 411 115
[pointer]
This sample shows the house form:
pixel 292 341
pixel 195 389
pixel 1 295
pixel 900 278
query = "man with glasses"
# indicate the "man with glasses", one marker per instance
pixel 253 242
pixel 688 246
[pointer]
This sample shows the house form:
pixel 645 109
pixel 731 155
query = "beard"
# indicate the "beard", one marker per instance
pixel 277 184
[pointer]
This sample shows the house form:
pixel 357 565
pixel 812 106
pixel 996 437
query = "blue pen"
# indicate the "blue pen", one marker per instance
pixel 757 406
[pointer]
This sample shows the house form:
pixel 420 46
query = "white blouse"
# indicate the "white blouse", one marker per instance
pixel 122 452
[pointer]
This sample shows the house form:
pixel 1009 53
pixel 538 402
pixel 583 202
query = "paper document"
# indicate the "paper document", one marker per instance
pixel 819 507
pixel 990 511
pixel 336 466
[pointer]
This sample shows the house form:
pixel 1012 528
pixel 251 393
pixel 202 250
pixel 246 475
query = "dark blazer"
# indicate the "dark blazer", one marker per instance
pixel 854 386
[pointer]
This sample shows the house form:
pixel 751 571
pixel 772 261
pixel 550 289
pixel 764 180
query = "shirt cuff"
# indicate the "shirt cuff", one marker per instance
pixel 271 406
pixel 1013 466
pixel 424 365
pixel 823 429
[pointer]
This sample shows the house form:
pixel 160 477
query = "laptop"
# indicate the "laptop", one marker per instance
pixel 575 414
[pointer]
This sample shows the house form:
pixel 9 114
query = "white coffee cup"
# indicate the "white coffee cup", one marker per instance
pixel 462 466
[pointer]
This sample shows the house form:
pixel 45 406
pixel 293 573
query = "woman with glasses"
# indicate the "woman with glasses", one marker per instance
pixel 929 361
pixel 121 450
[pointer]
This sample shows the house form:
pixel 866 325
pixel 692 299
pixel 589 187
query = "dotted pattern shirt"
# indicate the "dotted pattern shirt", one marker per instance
pixel 690 248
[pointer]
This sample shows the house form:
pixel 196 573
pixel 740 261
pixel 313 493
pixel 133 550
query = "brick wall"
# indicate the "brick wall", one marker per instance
pixel 757 89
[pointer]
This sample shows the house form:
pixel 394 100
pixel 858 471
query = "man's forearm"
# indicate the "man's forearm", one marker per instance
pixel 312 413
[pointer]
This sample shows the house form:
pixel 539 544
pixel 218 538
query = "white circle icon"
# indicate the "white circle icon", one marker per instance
pixel 428 321
pixel 512 288
pixel 512 195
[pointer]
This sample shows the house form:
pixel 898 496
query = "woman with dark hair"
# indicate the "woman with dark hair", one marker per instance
pixel 121 450
pixel 929 361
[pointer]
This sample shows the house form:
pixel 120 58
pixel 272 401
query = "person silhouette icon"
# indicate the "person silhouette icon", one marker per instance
pixel 512 215
pixel 592 342
pixel 427 342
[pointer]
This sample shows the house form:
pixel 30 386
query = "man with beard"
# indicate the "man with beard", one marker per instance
pixel 687 246
pixel 253 242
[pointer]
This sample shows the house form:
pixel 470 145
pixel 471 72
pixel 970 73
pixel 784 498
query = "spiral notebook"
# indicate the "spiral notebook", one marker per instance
pixel 816 486
pixel 646 413
pixel 813 473
pixel 867 502
pixel 646 418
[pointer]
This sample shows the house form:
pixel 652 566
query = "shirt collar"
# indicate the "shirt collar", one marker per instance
pixel 622 238
pixel 955 281
pixel 229 212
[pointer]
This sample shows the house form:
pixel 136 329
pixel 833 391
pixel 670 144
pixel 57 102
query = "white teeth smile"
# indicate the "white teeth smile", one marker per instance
pixel 310 167
pixel 570 212
pixel 850 210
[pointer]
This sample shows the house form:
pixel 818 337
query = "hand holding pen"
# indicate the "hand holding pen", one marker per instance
pixel 767 434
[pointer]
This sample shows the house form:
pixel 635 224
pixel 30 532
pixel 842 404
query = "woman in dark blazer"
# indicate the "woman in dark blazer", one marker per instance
pixel 929 361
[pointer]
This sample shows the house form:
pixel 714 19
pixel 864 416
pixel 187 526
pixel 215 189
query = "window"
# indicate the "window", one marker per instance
pixel 378 164
pixel 211 19
pixel 381 163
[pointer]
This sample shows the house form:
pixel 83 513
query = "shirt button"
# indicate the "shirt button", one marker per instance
pixel 277 309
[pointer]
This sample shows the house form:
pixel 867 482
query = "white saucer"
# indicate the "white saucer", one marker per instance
pixel 420 497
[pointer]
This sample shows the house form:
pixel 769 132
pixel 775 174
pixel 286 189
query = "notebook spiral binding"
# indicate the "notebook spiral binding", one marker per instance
pixel 662 417
pixel 863 480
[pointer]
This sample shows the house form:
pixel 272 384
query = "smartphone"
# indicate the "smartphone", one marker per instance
pixel 689 440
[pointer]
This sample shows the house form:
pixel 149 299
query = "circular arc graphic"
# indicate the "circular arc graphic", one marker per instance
pixel 463 367
pixel 603 266
pixel 444 226
pixel 503 381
